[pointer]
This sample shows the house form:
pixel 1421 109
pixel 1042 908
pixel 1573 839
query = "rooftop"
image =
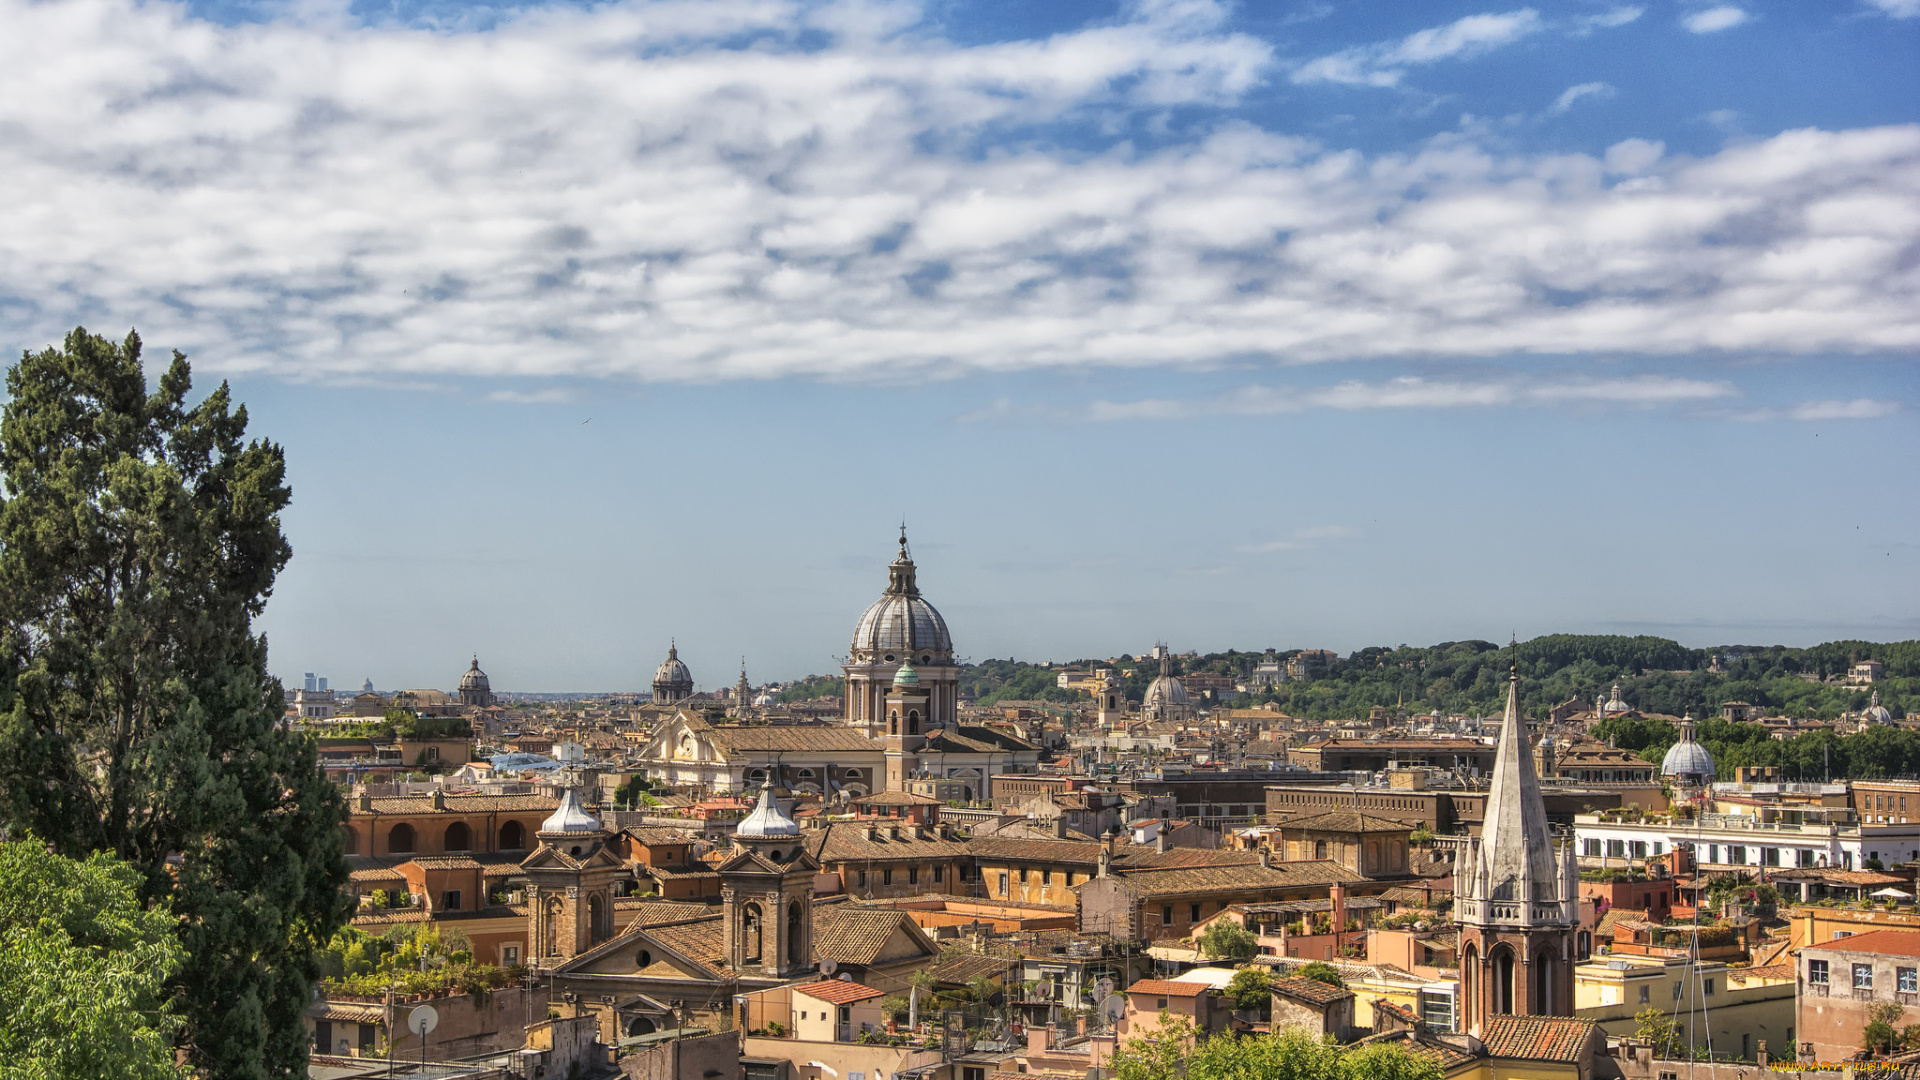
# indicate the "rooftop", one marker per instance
pixel 1881 942
pixel 838 992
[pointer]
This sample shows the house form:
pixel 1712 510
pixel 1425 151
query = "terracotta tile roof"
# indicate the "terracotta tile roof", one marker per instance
pixel 445 862
pixel 700 940
pixel 846 841
pixel 1417 1042
pixel 838 992
pixel 1540 1038
pixel 896 798
pixel 1881 942
pixel 1057 852
pixel 1157 884
pixel 967 739
pixel 1346 821
pixel 1143 857
pixel 1311 991
pixel 654 912
pixel 457 804
pixel 1398 1012
pixel 1165 988
pixel 737 741
pixel 648 834
pixel 856 935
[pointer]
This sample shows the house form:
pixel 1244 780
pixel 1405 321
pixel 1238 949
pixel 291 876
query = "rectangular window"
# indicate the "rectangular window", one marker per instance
pixel 939 872
pixel 1806 858
pixel 1709 987
pixel 1639 849
pixel 1592 848
pixel 1046 879
pixel 1770 856
pixel 1676 991
pixel 1166 914
pixel 1193 914
pixel 1907 980
pixel 863 880
pixel 1737 855
pixel 1617 849
pixel 1863 976
pixel 1161 1004
pixel 1646 994
pixel 509 955
pixel 1003 883
pixel 1817 972
pixel 886 876
pixel 1713 853
pixel 450 900
pixel 913 875
pixel 1659 848
pixel 1023 875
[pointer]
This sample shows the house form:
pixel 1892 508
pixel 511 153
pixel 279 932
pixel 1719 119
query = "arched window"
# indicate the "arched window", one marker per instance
pixel 596 918
pixel 349 841
pixel 751 931
pixel 1542 976
pixel 805 774
pixel 400 839
pixel 1373 855
pixel 513 836
pixel 854 774
pixel 1319 849
pixel 459 837
pixel 757 774
pixel 797 952
pixel 1502 997
pixel 913 721
pixel 893 722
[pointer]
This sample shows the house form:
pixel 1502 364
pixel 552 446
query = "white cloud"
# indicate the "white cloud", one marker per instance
pixel 1715 19
pixel 1384 64
pixel 1300 539
pixel 1571 94
pixel 1609 19
pixel 625 191
pixel 552 395
pixel 1631 157
pixel 1414 392
pixel 1899 9
pixel 1857 409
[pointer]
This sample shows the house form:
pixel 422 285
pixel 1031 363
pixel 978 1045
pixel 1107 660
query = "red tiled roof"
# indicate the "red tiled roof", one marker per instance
pixel 1539 1038
pixel 1164 988
pixel 1884 942
pixel 1311 991
pixel 839 992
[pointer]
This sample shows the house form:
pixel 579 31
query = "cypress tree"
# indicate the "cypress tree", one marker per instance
pixel 139 537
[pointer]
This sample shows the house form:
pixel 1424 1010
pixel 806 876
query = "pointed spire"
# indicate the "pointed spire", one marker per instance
pixel 1516 853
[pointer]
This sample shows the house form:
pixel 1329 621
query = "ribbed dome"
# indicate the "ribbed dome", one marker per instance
pixel 1877 713
pixel 474 679
pixel 1687 757
pixel 902 623
pixel 672 674
pixel 767 821
pixel 1165 690
pixel 906 676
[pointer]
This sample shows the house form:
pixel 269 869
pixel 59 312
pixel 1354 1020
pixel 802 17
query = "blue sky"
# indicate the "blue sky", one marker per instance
pixel 1302 325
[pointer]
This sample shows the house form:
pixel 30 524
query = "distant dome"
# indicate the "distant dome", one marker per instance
pixel 767 820
pixel 1614 704
pixel 901 623
pixel 571 818
pixel 474 679
pixel 1877 713
pixel 671 680
pixel 1165 690
pixel 1687 758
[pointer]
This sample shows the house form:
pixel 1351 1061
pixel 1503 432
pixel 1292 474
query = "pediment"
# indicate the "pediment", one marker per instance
pixel 640 954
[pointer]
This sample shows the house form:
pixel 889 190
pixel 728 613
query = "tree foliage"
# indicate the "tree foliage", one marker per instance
pixel 1224 939
pixel 1320 971
pixel 83 969
pixel 1251 989
pixel 139 537
pixel 1292 1054
pixel 1657 1029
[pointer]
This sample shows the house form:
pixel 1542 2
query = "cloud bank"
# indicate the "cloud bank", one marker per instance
pixel 751 188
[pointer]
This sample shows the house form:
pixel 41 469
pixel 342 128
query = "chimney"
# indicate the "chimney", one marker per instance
pixel 1161 840
pixel 439 798
pixel 1104 860
pixel 366 800
pixel 1060 827
pixel 1039 1040
pixel 1266 858
pixel 1339 895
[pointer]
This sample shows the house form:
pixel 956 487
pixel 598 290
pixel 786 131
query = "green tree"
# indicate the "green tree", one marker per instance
pixel 1225 939
pixel 1251 988
pixel 1387 1061
pixel 1879 1036
pixel 1320 971
pixel 139 536
pixel 1656 1029
pixel 1160 1054
pixel 83 969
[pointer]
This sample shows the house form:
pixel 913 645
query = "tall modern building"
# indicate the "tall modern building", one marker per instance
pixel 1516 900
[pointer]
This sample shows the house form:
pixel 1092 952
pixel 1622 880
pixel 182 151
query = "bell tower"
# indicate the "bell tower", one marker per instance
pixel 571 878
pixel 1517 902
pixel 1112 703
pixel 907 719
pixel 766 895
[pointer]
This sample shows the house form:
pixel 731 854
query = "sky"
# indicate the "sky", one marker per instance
pixel 587 328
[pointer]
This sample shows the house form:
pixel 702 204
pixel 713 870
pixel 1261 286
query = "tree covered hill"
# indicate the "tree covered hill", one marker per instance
pixel 1656 675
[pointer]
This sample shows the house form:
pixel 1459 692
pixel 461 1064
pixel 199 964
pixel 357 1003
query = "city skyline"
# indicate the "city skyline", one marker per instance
pixel 587 327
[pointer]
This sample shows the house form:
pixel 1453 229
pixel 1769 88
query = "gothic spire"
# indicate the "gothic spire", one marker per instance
pixel 1516 853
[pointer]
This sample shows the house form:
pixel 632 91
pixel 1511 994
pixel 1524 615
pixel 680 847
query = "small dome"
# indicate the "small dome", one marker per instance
pixel 1687 757
pixel 1614 704
pixel 570 818
pixel 906 676
pixel 1877 713
pixel 767 820
pixel 474 679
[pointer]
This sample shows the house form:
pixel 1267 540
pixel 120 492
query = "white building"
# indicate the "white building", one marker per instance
pixel 1741 842
pixel 314 700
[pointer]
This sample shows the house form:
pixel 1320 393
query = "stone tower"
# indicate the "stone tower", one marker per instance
pixel 766 895
pixel 906 726
pixel 571 879
pixel 1516 901
pixel 1113 703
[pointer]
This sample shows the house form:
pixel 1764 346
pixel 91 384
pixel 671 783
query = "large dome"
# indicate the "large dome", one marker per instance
pixel 1687 757
pixel 1165 690
pixel 901 624
pixel 672 675
pixel 474 679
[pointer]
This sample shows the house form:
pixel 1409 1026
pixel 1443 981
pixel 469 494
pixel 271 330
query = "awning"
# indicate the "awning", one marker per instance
pixel 1893 892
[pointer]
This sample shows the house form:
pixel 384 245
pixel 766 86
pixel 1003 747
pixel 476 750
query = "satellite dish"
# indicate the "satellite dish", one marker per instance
pixel 996 999
pixel 846 976
pixel 422 1020
pixel 1113 1007
pixel 1103 988
pixel 828 967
